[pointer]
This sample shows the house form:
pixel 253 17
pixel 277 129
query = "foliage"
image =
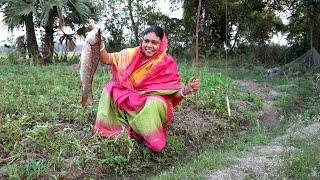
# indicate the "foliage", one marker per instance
pixel 139 14
pixel 226 22
pixel 303 25
pixel 67 58
pixel 51 135
pixel 269 54
pixel 290 96
pixel 224 25
pixel 45 14
pixel 302 164
pixel 19 13
pixel 305 163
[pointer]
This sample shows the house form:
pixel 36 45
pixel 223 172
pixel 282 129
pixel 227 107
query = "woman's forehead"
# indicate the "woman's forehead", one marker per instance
pixel 151 35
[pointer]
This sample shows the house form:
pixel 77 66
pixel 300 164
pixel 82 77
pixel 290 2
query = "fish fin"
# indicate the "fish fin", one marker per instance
pixel 86 99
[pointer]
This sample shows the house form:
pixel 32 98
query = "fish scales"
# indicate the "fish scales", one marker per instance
pixel 89 61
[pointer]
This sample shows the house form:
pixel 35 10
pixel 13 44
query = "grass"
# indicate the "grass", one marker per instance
pixel 215 156
pixel 215 86
pixel 300 99
pixel 304 164
pixel 45 133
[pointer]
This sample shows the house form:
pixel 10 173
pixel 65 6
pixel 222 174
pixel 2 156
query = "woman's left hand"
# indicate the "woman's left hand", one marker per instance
pixel 193 85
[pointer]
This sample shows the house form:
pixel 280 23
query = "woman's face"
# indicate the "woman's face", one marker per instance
pixel 150 44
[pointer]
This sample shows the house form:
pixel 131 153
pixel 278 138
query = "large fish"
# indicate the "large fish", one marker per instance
pixel 89 61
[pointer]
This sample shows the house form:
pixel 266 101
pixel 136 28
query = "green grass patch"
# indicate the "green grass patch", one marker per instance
pixel 46 134
pixel 305 163
pixel 295 94
pixel 215 87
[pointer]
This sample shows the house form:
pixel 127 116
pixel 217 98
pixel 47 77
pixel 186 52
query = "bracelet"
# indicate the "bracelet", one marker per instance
pixel 182 93
pixel 101 49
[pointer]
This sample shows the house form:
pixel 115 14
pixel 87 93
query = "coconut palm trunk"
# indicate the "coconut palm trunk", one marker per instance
pixel 48 44
pixel 32 44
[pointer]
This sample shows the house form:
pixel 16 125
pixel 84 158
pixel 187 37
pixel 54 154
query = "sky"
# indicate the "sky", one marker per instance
pixel 4 30
pixel 164 4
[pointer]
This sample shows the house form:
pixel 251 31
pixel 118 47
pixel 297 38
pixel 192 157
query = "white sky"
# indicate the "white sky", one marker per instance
pixel 4 33
pixel 164 6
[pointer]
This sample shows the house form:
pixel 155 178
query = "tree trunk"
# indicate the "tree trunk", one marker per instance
pixel 48 44
pixel 32 44
pixel 134 24
pixel 315 28
pixel 21 47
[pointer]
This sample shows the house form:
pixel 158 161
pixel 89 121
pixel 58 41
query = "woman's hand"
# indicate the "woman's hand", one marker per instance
pixel 91 26
pixel 193 86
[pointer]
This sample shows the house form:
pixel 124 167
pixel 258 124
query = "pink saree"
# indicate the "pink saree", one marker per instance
pixel 139 98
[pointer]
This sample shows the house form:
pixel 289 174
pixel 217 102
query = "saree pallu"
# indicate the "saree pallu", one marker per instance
pixel 140 97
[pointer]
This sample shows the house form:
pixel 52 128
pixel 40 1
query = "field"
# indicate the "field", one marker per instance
pixel 45 133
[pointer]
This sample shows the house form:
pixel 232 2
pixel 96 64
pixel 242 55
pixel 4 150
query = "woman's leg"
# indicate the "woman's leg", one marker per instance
pixel 109 119
pixel 148 123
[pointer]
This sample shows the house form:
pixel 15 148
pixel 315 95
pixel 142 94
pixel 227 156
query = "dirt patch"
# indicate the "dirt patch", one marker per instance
pixel 265 162
pixel 195 124
pixel 298 131
pixel 269 114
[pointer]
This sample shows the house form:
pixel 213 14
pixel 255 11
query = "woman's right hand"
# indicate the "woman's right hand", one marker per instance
pixel 91 26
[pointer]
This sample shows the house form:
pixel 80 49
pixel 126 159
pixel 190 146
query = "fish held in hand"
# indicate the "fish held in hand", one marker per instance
pixel 89 61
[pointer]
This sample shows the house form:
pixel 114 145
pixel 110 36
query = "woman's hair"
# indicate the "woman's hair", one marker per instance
pixel 156 29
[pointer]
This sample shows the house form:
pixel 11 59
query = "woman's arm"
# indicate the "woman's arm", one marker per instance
pixel 105 56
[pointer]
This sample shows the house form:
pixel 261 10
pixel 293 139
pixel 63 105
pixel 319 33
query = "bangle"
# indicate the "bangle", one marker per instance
pixel 181 93
pixel 101 49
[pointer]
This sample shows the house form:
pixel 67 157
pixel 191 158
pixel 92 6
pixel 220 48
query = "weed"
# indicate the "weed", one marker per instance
pixel 305 163
pixel 50 135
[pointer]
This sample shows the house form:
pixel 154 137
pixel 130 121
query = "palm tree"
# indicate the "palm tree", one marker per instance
pixel 18 13
pixel 45 13
pixel 70 12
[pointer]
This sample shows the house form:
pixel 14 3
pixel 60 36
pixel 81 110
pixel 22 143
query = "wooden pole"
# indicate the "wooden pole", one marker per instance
pixel 197 50
pixel 226 46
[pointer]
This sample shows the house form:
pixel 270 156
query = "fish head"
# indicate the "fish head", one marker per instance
pixel 94 36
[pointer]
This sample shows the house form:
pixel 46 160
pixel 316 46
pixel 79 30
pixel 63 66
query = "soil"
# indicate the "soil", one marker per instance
pixel 260 162
pixel 264 162
pixel 195 124
pixel 269 114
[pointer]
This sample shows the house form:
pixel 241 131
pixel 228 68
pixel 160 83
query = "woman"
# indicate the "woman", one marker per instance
pixel 144 89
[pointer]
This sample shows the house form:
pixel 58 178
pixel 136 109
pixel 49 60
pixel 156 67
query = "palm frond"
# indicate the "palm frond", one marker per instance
pixel 20 8
pixel 46 8
pixel 81 7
